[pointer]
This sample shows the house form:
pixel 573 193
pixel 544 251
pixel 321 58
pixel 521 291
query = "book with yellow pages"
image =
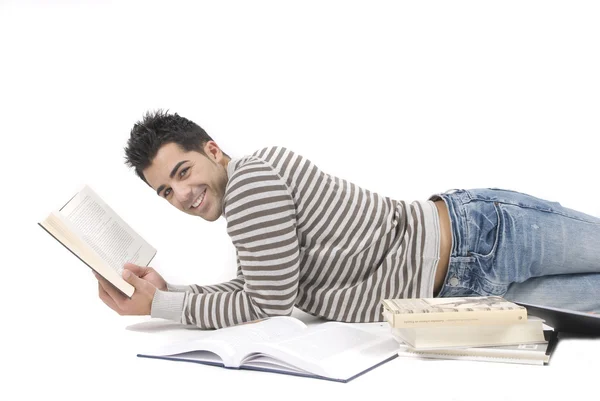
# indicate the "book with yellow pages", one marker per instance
pixel 432 337
pixel 94 233
pixel 461 311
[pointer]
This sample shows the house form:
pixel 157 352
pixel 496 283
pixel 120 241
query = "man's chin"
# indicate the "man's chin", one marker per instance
pixel 213 217
pixel 209 216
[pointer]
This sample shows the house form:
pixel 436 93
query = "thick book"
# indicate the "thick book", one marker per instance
pixel 468 311
pixel 331 350
pixel 94 233
pixel 431 337
pixel 527 354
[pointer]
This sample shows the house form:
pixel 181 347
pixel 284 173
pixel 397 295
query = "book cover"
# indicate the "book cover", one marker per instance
pixel 529 354
pixel 567 322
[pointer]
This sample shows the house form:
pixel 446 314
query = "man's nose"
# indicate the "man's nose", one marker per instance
pixel 182 193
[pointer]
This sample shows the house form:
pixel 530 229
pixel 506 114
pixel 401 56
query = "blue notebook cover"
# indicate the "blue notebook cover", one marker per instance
pixel 285 372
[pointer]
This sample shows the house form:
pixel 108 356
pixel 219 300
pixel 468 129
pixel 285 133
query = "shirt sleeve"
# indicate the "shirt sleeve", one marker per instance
pixel 232 285
pixel 169 304
pixel 261 221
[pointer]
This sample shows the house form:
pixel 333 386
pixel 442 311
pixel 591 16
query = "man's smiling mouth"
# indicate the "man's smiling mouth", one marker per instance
pixel 199 201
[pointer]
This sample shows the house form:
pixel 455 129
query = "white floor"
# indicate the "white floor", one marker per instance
pixel 403 98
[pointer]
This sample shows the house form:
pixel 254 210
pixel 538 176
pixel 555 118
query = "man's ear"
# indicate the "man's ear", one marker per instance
pixel 215 154
pixel 212 151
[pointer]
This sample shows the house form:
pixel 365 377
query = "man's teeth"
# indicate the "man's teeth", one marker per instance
pixel 199 200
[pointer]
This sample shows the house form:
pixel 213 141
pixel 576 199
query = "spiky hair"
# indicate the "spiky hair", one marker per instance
pixel 156 129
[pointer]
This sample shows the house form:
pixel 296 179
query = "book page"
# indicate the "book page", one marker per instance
pixel 268 363
pixel 335 350
pixel 228 342
pixel 270 330
pixel 105 232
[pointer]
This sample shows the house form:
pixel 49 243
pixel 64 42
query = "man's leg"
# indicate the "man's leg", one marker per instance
pixel 580 292
pixel 542 238
pixel 512 244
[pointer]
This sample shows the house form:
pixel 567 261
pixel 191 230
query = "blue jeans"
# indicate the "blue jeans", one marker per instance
pixel 522 248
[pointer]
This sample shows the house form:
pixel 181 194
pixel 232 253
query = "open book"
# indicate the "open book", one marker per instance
pixel 94 233
pixel 332 351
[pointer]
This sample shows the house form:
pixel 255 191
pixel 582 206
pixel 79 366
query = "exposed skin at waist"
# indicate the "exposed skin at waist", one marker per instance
pixel 445 246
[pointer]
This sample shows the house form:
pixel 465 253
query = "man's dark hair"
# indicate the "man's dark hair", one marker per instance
pixel 159 128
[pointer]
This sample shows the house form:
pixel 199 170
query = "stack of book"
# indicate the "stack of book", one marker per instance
pixel 474 328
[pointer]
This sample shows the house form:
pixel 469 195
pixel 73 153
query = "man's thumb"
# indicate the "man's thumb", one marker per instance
pixel 131 278
pixel 137 270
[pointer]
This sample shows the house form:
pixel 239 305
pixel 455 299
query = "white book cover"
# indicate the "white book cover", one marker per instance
pixel 529 354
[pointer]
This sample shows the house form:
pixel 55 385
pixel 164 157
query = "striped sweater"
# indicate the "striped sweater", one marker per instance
pixel 307 239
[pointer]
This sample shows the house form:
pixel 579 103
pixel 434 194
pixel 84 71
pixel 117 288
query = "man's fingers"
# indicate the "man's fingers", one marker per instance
pixel 133 279
pixel 138 304
pixel 107 299
pixel 139 271
pixel 116 296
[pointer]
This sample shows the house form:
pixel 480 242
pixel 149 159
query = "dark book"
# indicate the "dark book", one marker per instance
pixel 565 321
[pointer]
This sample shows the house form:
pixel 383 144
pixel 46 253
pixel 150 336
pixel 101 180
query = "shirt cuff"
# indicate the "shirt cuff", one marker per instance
pixel 168 305
pixel 178 288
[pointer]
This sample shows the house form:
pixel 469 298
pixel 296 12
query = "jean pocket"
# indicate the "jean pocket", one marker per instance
pixel 484 226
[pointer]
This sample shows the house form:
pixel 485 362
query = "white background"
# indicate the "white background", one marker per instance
pixel 404 98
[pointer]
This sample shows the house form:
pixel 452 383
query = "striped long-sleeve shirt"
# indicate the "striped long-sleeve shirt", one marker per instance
pixel 308 239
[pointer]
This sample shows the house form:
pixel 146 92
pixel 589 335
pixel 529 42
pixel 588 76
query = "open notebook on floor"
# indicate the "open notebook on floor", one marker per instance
pixel 331 350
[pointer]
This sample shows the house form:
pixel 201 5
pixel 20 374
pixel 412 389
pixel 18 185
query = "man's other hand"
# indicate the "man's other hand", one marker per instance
pixel 148 274
pixel 140 302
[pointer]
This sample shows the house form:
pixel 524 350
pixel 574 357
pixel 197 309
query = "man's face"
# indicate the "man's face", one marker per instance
pixel 190 181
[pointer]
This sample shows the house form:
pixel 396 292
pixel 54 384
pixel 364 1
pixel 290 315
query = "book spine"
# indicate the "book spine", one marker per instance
pixel 507 316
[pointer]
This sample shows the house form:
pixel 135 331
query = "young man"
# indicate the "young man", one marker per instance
pixel 307 239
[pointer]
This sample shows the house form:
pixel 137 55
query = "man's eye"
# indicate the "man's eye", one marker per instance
pixel 167 192
pixel 183 172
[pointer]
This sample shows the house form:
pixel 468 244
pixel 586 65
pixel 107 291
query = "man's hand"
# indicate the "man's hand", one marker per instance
pixel 141 301
pixel 148 274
